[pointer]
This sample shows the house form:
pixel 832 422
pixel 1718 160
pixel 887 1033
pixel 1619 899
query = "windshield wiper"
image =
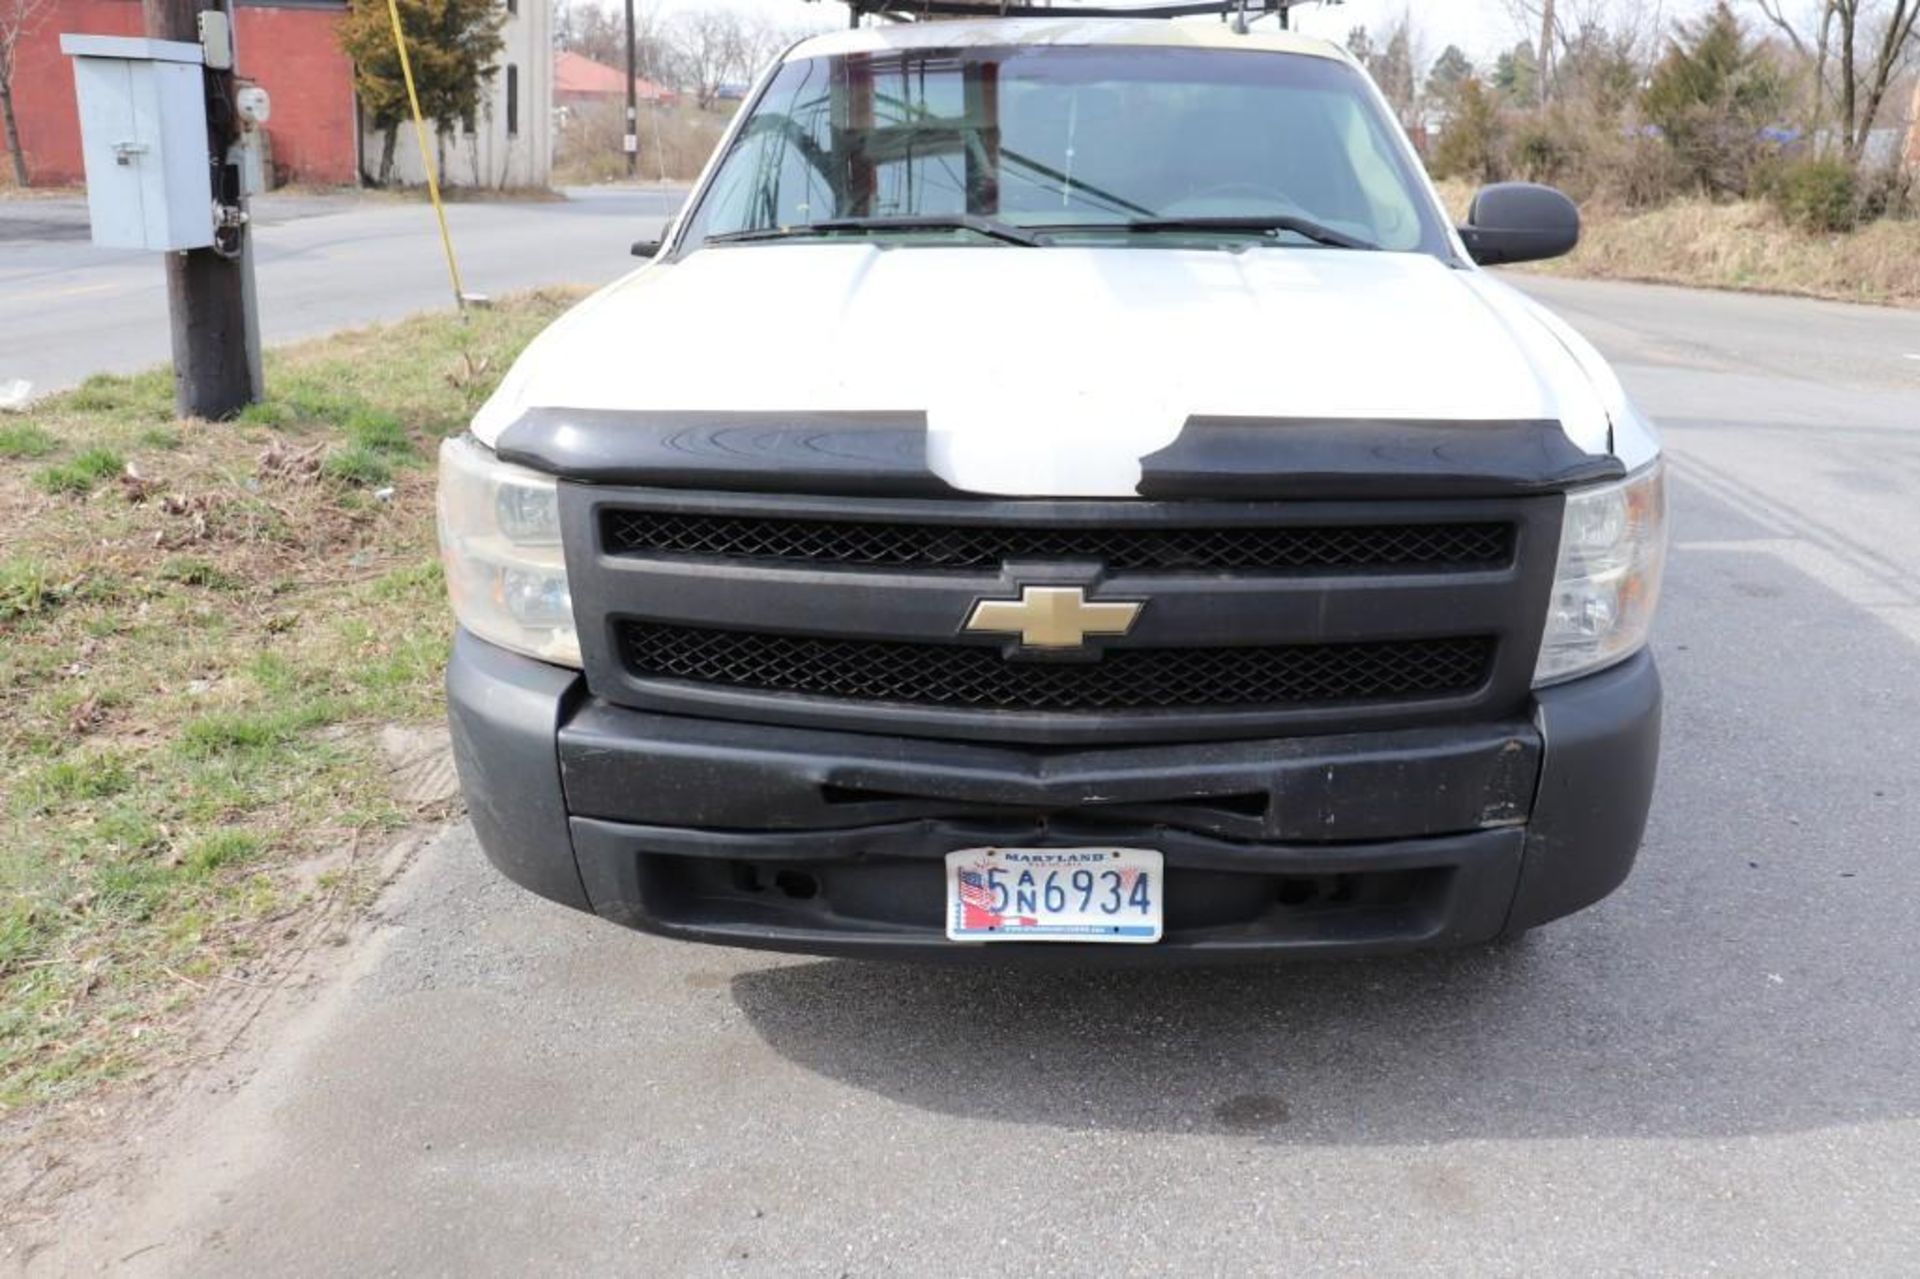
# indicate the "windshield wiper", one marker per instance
pixel 990 227
pixel 1251 224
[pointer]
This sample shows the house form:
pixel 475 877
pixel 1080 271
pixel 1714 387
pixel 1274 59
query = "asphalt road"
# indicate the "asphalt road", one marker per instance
pixel 1717 1069
pixel 322 263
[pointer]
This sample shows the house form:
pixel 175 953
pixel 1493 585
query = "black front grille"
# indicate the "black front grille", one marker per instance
pixel 1382 547
pixel 1124 679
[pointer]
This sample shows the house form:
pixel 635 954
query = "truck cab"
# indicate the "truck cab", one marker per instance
pixel 1062 489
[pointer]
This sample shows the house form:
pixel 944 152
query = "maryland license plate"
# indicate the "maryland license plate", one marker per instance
pixel 1055 894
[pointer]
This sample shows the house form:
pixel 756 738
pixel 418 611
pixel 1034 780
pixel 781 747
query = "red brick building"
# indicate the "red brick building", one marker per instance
pixel 285 46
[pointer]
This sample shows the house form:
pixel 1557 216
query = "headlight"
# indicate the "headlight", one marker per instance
pixel 1613 545
pixel 500 540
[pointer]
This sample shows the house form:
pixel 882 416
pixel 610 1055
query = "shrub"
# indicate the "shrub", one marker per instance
pixel 1547 149
pixel 1820 195
pixel 1584 145
pixel 1472 147
pixel 1888 192
pixel 1641 171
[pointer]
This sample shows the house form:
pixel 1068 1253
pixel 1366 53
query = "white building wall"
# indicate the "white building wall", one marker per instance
pixel 491 156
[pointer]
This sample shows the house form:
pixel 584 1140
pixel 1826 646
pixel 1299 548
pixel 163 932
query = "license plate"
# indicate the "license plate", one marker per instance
pixel 1055 894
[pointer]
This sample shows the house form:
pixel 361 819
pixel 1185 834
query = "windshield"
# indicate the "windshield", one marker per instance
pixel 1084 143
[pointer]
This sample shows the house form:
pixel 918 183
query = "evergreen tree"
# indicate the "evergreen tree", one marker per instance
pixel 452 45
pixel 1710 96
pixel 1517 75
pixel 1360 45
pixel 1450 71
pixel 1393 70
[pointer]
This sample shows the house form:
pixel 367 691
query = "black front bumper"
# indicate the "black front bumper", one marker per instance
pixel 830 842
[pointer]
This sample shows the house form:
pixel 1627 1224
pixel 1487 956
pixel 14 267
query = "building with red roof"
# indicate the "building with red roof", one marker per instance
pixel 579 81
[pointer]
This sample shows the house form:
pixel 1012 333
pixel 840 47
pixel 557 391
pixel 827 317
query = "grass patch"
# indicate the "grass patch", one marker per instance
pixel 27 588
pixel 82 473
pixel 75 781
pixel 195 570
pixel 358 465
pixel 379 433
pixel 140 397
pixel 25 440
pixel 249 734
pixel 223 848
pixel 194 664
pixel 410 581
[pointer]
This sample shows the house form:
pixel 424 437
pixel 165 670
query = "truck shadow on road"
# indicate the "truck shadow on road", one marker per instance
pixel 1757 975
pixel 1533 1042
pixel 1563 1036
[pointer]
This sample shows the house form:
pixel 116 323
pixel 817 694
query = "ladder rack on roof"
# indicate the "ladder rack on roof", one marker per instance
pixel 906 10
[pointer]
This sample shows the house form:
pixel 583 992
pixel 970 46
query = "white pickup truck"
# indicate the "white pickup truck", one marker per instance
pixel 1062 488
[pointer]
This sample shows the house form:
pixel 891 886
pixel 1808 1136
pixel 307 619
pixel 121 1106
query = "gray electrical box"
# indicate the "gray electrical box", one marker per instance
pixel 143 135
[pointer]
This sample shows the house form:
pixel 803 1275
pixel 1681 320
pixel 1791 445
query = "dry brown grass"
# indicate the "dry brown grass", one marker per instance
pixel 1747 246
pixel 203 627
pixel 1743 245
pixel 11 190
pixel 674 142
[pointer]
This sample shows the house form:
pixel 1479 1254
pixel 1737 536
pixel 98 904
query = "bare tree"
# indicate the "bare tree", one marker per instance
pixel 1553 27
pixel 1857 49
pixel 17 18
pixel 1912 154
pixel 1548 30
pixel 591 31
pixel 588 29
pixel 712 44
pixel 761 42
pixel 1394 64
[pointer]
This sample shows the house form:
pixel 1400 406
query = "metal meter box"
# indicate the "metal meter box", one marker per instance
pixel 143 134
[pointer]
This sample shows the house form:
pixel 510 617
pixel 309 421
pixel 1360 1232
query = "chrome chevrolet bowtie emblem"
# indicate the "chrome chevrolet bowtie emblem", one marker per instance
pixel 1053 616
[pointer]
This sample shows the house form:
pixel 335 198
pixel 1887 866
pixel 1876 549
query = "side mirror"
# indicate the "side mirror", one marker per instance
pixel 645 248
pixel 1520 222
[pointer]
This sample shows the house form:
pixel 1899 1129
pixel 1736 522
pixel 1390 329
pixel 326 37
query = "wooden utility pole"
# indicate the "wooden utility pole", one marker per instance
pixel 216 362
pixel 632 139
pixel 1545 72
pixel 1913 131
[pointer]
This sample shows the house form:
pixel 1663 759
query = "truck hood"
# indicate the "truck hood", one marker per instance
pixel 1052 372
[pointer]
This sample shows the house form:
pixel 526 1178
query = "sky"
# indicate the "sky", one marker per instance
pixel 1482 27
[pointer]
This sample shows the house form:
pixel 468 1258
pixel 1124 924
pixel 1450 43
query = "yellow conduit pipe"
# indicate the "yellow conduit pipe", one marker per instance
pixel 426 156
